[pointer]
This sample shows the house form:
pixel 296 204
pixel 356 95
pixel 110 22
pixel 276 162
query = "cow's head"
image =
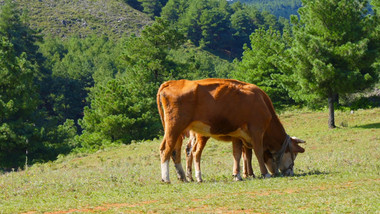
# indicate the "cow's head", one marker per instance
pixel 285 164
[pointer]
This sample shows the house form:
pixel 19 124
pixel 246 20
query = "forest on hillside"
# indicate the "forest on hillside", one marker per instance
pixel 66 86
pixel 279 8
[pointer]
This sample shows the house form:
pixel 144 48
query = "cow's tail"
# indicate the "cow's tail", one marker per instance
pixel 159 105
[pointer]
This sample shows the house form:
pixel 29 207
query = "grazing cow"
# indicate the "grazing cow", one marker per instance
pixel 222 109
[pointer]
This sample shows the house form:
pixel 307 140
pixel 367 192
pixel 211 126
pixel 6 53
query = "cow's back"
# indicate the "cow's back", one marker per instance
pixel 230 100
pixel 224 105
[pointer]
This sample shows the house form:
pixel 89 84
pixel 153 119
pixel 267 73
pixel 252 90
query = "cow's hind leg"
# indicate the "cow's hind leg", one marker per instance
pixel 176 156
pixel 164 162
pixel 237 146
pixel 168 145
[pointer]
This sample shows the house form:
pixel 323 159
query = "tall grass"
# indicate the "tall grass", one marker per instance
pixel 339 172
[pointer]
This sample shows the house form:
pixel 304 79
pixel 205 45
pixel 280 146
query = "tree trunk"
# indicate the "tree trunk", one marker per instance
pixel 331 112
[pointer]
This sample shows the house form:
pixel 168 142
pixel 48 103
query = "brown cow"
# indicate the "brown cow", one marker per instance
pixel 222 109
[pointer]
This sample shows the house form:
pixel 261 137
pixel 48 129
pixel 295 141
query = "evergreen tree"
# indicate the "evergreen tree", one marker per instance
pixel 375 35
pixel 152 7
pixel 262 64
pixel 18 102
pixel 173 10
pixel 124 109
pixel 25 126
pixel 217 26
pixel 13 25
pixel 150 52
pixel 75 65
pixel 331 50
pixel 18 92
pixel 242 27
pixel 207 23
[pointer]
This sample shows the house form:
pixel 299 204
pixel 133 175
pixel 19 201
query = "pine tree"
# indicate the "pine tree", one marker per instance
pixel 124 108
pixel 150 52
pixel 331 50
pixel 152 7
pixel 18 92
pixel 262 64
pixel 24 124
pixel 13 25
pixel 18 101
pixel 375 35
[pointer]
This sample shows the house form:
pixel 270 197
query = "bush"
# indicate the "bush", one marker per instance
pixel 120 112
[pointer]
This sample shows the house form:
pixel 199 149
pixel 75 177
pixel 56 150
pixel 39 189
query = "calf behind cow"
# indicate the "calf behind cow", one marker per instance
pixel 196 144
pixel 194 150
pixel 223 109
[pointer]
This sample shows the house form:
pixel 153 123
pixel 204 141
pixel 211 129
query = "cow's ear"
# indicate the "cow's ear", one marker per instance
pixel 297 140
pixel 296 148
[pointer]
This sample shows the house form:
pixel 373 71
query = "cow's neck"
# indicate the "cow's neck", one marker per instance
pixel 275 135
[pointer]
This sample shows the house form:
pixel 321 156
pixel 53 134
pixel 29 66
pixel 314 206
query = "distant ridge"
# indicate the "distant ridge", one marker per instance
pixel 65 18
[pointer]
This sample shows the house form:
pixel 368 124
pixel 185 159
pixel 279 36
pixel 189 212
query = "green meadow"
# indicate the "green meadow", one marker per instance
pixel 338 173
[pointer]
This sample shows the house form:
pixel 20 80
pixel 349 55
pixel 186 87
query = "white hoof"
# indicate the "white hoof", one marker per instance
pixel 237 177
pixel 198 176
pixel 189 176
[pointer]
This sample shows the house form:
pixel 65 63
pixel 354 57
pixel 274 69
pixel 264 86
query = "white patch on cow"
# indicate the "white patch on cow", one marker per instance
pixel 165 171
pixel 198 176
pixel 204 130
pixel 242 134
pixel 200 128
pixel 286 161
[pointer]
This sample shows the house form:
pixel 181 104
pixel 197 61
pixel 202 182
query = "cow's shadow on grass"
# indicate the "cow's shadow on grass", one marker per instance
pixel 369 126
pixel 310 173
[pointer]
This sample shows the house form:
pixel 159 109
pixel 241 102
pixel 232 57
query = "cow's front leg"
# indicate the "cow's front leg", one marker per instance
pixel 237 147
pixel 247 163
pixel 257 138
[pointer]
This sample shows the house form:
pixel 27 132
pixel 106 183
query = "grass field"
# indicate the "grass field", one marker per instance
pixel 338 173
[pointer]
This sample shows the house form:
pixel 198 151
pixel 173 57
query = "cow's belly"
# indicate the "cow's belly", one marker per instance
pixel 205 130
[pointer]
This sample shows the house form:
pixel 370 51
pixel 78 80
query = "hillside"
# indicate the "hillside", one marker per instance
pixel 73 17
pixel 338 173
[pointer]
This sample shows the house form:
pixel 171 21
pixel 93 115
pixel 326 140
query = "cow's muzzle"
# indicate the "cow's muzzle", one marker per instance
pixel 287 172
